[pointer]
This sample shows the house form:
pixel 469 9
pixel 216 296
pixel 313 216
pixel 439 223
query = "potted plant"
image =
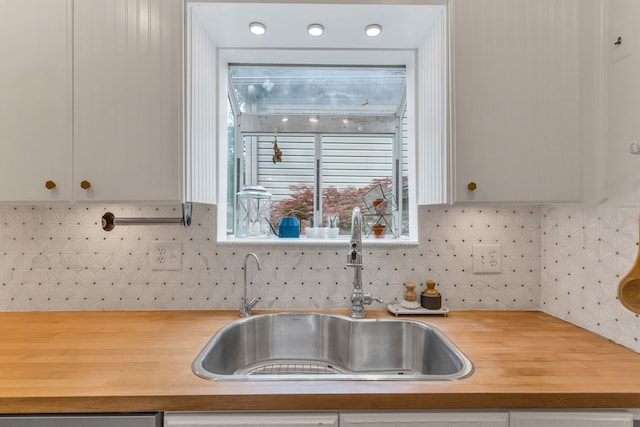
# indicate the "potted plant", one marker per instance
pixel 310 231
pixel 380 205
pixel 333 221
pixel 379 230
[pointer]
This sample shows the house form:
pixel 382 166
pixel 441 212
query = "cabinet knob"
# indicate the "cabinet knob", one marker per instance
pixel 471 186
pixel 50 185
pixel 85 185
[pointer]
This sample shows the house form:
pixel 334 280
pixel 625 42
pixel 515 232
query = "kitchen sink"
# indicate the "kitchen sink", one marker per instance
pixel 315 346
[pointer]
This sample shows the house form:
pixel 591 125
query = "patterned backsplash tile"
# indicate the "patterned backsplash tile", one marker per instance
pixel 58 257
pixel 564 260
pixel 586 251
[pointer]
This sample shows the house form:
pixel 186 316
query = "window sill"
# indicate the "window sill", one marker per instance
pixel 342 241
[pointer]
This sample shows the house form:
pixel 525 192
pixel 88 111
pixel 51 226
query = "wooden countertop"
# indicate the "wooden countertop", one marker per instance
pixel 141 361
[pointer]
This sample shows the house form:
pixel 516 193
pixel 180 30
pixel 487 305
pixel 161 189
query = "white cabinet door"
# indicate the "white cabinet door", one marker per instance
pixel 128 100
pixel 239 419
pixel 88 420
pixel 517 100
pixel 35 100
pixel 430 419
pixel 614 418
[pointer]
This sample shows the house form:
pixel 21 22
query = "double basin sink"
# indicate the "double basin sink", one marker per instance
pixel 315 346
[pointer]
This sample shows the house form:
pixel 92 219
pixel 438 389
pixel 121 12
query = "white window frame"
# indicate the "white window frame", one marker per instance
pixel 404 57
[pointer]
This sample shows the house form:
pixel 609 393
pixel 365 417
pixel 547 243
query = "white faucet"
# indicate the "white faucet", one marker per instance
pixel 354 259
pixel 245 308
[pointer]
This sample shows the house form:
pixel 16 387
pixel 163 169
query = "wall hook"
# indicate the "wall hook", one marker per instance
pixel 619 41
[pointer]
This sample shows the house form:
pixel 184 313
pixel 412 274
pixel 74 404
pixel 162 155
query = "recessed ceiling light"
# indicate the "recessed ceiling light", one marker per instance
pixel 257 28
pixel 315 30
pixel 373 30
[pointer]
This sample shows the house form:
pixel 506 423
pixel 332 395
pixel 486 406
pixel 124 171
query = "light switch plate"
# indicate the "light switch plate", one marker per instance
pixel 166 255
pixel 487 258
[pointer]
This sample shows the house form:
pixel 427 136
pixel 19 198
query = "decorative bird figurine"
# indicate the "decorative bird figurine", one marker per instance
pixel 277 153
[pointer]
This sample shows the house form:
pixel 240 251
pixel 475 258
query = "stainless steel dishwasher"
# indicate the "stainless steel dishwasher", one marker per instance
pixel 82 420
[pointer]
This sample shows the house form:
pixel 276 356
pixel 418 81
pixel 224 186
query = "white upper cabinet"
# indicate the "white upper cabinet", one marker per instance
pixel 127 90
pixel 623 90
pixel 91 100
pixel 35 100
pixel 517 107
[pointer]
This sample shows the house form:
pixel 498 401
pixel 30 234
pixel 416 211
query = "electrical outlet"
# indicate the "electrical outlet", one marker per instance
pixel 166 256
pixel 487 258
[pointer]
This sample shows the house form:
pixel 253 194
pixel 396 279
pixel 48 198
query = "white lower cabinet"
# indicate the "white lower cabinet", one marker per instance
pixel 248 419
pixel 430 419
pixel 333 419
pixel 578 418
pixel 496 418
pixel 82 420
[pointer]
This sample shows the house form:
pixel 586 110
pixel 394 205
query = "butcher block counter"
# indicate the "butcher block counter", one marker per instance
pixel 135 361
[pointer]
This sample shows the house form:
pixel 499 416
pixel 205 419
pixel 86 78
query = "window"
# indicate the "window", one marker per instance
pixel 415 42
pixel 341 133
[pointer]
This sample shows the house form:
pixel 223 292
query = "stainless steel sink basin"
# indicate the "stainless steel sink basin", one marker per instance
pixel 314 346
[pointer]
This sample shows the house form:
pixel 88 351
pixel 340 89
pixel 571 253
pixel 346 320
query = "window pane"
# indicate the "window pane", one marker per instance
pixel 326 167
pixel 231 170
pixel 290 181
pixel 351 165
pixel 318 90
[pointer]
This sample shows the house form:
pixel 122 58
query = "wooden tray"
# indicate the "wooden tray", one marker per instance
pixel 397 309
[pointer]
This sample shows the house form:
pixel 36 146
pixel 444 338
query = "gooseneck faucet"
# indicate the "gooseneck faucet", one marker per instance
pixel 354 259
pixel 245 308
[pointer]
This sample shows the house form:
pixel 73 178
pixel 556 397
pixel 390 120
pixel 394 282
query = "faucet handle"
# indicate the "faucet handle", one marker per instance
pixel 245 309
pixel 252 303
pixel 368 299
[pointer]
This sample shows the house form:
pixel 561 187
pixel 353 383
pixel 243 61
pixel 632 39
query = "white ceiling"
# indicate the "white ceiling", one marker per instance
pixel 404 26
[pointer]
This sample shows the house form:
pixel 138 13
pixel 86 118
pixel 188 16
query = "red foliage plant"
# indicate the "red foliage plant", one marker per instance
pixel 334 201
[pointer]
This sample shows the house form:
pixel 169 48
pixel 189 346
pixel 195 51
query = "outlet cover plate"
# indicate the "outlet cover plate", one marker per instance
pixel 166 255
pixel 487 258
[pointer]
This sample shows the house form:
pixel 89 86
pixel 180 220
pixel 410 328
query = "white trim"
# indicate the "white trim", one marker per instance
pixel 433 155
pixel 317 56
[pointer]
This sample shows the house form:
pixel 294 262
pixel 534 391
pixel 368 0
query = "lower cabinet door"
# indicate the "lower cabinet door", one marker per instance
pixel 578 418
pixel 257 419
pixel 89 420
pixel 427 419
